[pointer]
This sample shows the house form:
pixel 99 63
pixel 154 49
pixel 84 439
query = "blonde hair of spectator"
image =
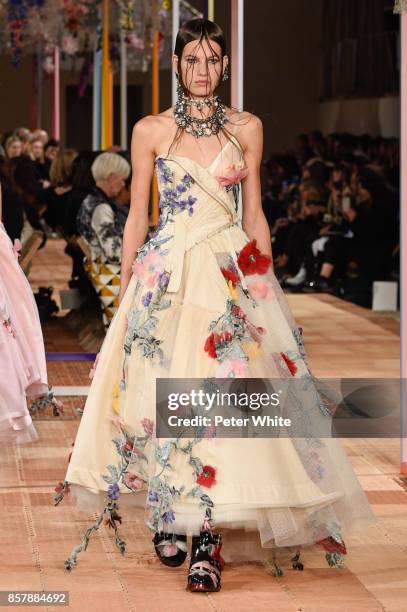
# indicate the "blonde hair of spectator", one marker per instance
pixel 61 166
pixel 110 163
pixel 32 143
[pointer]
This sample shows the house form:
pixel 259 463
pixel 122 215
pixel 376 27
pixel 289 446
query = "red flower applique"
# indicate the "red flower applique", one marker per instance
pixel 215 340
pixel 251 261
pixel 230 275
pixel 290 364
pixel 238 312
pixel 332 546
pixel 207 477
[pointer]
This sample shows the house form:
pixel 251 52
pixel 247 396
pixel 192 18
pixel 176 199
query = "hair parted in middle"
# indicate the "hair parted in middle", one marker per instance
pixel 202 30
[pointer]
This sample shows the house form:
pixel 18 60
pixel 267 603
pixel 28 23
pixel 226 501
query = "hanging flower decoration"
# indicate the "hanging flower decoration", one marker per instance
pixel 69 44
pixel 134 41
pixel 17 18
pixel 399 6
pixel 48 65
pixel 75 11
pixel 74 26
pixel 127 15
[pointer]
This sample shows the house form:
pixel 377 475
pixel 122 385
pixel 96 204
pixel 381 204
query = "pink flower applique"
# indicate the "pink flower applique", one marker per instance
pixel 133 482
pixel 148 426
pixel 232 368
pixel 149 268
pixel 260 290
pixel 117 421
pixel 233 174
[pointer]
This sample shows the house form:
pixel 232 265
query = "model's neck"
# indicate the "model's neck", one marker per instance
pixel 200 110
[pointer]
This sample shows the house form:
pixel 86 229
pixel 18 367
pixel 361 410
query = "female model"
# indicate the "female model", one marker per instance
pixel 199 300
pixel 22 356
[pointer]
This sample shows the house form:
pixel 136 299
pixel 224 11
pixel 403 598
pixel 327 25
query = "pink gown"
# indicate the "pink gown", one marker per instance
pixel 23 371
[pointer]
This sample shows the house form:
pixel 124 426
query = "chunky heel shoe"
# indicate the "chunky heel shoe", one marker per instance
pixel 171 548
pixel 206 563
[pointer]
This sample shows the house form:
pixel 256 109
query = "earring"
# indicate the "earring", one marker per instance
pixel 225 75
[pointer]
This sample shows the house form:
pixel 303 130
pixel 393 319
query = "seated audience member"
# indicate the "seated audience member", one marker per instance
pixel 42 135
pixel 61 186
pixel 24 135
pixel 13 147
pixel 51 150
pixel 83 184
pixel 313 206
pixel 26 193
pixel 368 240
pixel 100 224
pixel 36 153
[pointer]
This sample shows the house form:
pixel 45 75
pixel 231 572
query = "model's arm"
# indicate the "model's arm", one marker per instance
pixel 136 228
pixel 254 221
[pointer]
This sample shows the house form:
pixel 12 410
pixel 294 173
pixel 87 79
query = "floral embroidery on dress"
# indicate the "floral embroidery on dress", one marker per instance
pixel 252 261
pixel 332 543
pixel 171 200
pixel 6 322
pixel 232 340
pixel 148 268
pixel 233 174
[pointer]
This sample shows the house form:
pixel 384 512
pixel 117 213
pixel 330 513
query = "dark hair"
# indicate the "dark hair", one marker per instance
pixel 23 180
pixel 200 30
pixel 51 143
pixel 375 185
pixel 319 172
pixel 82 178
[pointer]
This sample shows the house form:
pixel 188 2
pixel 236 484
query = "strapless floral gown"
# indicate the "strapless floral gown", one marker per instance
pixel 204 303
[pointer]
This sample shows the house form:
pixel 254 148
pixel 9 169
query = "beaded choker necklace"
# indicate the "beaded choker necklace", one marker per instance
pixel 197 126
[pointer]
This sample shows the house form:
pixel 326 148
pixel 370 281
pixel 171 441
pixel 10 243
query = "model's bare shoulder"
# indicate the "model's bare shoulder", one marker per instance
pixel 249 129
pixel 145 126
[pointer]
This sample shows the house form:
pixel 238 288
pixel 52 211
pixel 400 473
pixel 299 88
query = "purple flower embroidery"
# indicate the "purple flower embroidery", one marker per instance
pixel 113 491
pixel 164 173
pixel 163 279
pixel 169 517
pixel 146 299
pixel 152 496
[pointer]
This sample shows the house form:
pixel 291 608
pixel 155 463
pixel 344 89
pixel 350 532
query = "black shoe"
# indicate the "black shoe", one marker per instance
pixel 171 548
pixel 320 285
pixel 206 563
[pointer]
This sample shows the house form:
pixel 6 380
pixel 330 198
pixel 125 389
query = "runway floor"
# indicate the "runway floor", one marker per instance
pixel 341 340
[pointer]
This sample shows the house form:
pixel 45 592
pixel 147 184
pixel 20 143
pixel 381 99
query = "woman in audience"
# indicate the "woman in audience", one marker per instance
pixel 36 152
pixel 61 185
pixel 13 147
pixel 100 224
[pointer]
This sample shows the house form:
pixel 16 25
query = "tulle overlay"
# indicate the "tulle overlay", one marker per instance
pixel 22 357
pixel 203 303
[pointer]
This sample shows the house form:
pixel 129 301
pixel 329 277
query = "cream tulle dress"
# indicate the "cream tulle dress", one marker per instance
pixel 203 303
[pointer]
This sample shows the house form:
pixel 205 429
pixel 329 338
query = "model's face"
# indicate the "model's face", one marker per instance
pixel 14 149
pixel 201 67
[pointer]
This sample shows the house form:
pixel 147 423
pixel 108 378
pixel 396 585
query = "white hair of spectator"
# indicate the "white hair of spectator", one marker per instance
pixel 110 163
